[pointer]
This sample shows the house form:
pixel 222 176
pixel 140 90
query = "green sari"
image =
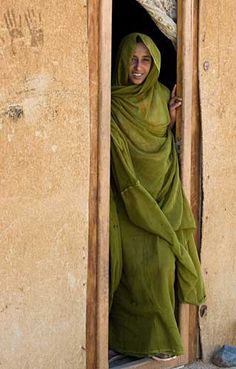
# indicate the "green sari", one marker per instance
pixel 153 256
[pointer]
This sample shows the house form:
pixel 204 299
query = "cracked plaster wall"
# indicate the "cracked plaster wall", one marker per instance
pixel 44 174
pixel 217 65
pixel 44 169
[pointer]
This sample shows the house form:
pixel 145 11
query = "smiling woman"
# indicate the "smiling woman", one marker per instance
pixel 140 64
pixel 135 18
pixel 152 250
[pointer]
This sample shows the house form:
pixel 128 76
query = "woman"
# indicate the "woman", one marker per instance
pixel 153 257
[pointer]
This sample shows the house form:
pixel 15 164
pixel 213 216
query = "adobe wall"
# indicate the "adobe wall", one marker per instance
pixel 44 180
pixel 44 174
pixel 217 69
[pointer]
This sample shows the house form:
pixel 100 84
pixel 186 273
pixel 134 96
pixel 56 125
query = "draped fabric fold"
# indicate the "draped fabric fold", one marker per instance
pixel 152 250
pixel 163 13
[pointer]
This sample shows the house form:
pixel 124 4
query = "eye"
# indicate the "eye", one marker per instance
pixel 147 60
pixel 133 60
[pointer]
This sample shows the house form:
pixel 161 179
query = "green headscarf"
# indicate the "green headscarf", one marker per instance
pixel 149 214
pixel 125 53
pixel 146 103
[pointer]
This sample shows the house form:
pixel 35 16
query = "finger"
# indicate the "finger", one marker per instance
pixel 2 40
pixel 13 18
pixel 29 16
pixel 20 23
pixel 34 18
pixel 27 21
pixel 175 105
pixel 179 99
pixel 7 21
pixel 9 18
pixel 174 100
pixel 173 93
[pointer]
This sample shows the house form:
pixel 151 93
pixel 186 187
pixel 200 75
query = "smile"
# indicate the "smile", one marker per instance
pixel 137 75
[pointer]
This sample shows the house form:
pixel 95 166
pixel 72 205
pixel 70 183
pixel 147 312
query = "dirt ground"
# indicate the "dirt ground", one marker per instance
pixel 124 363
pixel 201 365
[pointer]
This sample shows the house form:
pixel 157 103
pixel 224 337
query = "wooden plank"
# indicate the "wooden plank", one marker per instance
pixel 91 313
pixel 195 176
pixel 196 130
pixel 105 18
pixel 99 38
pixel 185 58
pixel 183 311
pixel 187 132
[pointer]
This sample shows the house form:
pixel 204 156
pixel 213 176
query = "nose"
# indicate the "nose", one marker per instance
pixel 137 64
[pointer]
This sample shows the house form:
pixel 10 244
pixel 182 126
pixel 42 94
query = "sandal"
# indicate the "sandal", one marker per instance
pixel 113 356
pixel 163 357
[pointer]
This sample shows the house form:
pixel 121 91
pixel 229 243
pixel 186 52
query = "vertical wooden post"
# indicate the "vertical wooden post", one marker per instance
pixel 103 181
pixel 99 38
pixel 91 318
pixel 183 128
pixel 188 137
pixel 185 88
pixel 196 195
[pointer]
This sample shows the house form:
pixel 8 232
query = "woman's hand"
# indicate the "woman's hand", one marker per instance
pixel 174 103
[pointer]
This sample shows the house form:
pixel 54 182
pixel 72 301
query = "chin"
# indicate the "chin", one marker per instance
pixel 135 82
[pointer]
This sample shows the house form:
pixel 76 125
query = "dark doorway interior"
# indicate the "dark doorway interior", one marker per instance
pixel 129 16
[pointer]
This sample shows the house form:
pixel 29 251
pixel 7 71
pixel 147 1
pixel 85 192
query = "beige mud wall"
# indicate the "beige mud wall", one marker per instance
pixel 217 63
pixel 44 169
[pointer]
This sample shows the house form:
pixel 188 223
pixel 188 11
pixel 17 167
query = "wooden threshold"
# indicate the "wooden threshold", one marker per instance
pixel 152 364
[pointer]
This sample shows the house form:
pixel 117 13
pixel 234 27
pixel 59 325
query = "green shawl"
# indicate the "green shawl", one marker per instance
pixel 151 224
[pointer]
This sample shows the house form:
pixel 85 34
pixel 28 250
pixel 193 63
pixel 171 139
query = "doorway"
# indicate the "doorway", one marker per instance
pixel 100 63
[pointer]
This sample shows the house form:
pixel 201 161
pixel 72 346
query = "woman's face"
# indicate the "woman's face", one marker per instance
pixel 140 65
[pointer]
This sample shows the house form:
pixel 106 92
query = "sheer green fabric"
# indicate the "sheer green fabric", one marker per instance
pixel 153 256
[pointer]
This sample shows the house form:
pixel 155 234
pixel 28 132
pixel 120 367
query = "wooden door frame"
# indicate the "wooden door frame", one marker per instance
pixel 188 134
pixel 99 54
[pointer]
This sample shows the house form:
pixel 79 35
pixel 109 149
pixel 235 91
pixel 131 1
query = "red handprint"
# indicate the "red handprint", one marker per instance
pixel 34 23
pixel 14 27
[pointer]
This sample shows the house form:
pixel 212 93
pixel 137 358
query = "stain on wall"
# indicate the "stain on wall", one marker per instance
pixel 44 184
pixel 218 95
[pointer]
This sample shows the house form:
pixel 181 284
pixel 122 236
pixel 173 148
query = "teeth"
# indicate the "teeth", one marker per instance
pixel 137 74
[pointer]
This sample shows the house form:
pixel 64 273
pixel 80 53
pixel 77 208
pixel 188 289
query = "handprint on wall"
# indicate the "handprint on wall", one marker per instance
pixel 34 23
pixel 14 26
pixel 2 41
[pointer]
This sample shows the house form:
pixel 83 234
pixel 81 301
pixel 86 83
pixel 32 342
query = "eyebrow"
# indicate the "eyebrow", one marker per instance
pixel 144 56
